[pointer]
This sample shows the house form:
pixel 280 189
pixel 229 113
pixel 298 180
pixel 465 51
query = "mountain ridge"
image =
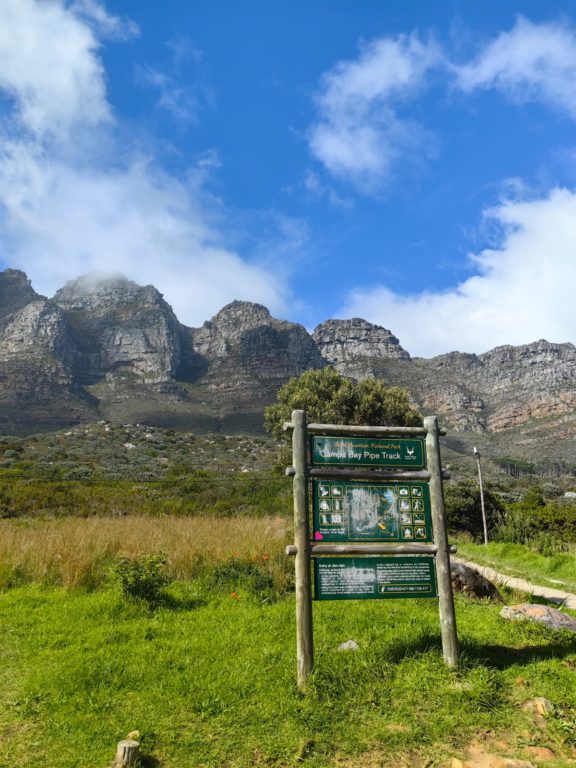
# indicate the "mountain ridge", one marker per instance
pixel 106 347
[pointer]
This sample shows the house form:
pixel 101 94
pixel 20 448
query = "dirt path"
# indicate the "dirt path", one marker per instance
pixel 558 596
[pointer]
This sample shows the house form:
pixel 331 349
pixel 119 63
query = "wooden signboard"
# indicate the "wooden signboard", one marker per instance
pixel 377 528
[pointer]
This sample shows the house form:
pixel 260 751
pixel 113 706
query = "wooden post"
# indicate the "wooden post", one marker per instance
pixel 445 596
pixel 127 753
pixel 304 633
pixel 482 507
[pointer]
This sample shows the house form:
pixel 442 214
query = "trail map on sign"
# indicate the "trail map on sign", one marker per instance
pixel 356 511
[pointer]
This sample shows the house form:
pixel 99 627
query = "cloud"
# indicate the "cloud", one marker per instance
pixel 532 62
pixel 181 83
pixel 64 212
pixel 183 103
pixel 317 190
pixel 361 132
pixel 523 289
pixel 64 221
pixel 50 69
pixel 358 135
pixel 107 26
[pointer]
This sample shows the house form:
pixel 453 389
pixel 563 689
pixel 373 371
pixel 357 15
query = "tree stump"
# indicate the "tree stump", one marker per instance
pixel 127 753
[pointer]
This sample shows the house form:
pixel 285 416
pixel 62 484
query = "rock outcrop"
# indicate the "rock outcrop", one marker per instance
pixel 471 583
pixel 501 389
pixel 542 614
pixel 37 354
pixel 354 346
pixel 119 326
pixel 247 351
pixel 528 382
pixel 15 292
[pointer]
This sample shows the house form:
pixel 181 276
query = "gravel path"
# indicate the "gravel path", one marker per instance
pixel 558 596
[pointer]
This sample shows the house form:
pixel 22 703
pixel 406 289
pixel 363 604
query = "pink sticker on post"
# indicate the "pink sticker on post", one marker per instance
pixel 318 536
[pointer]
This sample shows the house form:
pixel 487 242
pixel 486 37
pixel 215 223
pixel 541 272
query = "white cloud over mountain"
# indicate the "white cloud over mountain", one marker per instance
pixel 531 62
pixel 75 199
pixel 359 134
pixel 524 289
pixel 50 69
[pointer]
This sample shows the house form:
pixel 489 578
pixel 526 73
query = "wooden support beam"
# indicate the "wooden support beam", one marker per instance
pixel 304 632
pixel 407 475
pixel 445 596
pixel 378 475
pixel 360 431
pixel 369 549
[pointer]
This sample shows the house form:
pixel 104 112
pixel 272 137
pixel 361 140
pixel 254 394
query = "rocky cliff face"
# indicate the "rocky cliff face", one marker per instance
pixel 108 347
pixel 503 388
pixel 15 292
pixel 248 351
pixel 37 353
pixel 353 346
pixel 119 326
pixel 527 382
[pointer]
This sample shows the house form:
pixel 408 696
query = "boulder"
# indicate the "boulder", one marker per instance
pixel 543 614
pixel 472 583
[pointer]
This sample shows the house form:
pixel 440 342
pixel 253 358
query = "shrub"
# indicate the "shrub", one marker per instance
pixel 464 509
pixel 143 577
pixel 331 398
pixel 547 527
pixel 265 578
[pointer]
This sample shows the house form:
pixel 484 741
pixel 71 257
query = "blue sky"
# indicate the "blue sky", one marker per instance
pixel 410 163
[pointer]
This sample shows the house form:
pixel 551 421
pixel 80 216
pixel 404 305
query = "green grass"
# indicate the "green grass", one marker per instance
pixel 209 680
pixel 557 571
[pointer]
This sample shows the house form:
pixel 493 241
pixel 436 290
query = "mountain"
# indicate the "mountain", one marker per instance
pixel 118 326
pixel 38 390
pixel 105 347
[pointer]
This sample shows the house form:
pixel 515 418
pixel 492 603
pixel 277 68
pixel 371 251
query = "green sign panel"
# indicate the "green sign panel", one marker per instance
pixel 365 578
pixel 368 452
pixel 362 511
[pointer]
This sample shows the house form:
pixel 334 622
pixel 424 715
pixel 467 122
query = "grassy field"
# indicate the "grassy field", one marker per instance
pixel 557 571
pixel 210 682
pixel 208 675
pixel 75 552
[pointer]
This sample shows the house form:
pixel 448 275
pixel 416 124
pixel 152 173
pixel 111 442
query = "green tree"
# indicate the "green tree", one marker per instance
pixel 330 398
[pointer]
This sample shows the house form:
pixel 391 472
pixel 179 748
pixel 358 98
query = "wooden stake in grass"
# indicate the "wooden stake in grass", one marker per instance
pixel 304 632
pixel 127 753
pixel 445 596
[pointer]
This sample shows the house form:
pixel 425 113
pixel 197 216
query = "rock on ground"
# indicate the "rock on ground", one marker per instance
pixel 472 583
pixel 544 614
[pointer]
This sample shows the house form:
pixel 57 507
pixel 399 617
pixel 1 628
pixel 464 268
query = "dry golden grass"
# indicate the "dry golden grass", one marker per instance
pixel 72 551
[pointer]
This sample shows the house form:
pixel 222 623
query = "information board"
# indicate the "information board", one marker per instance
pixel 365 578
pixel 368 452
pixel 364 511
